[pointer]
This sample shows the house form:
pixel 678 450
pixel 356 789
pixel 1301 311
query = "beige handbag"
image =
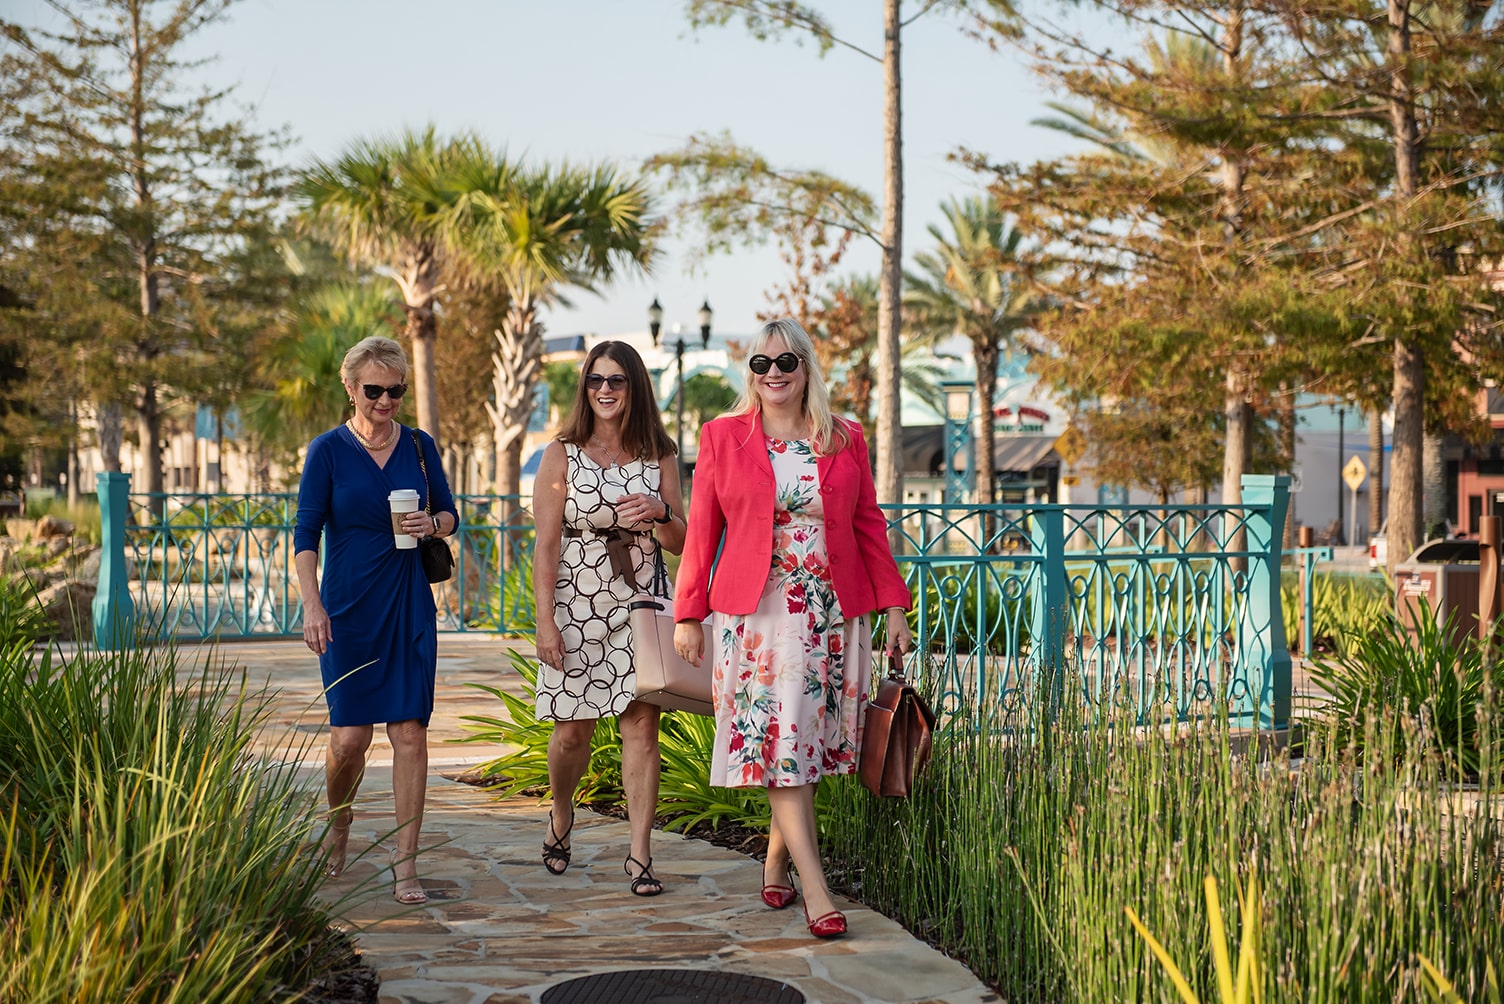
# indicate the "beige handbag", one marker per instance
pixel 663 678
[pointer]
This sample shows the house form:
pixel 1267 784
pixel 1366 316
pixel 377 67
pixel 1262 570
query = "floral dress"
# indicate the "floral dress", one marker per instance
pixel 791 678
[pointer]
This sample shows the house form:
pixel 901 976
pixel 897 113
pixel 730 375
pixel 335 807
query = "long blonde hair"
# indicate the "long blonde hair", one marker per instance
pixel 827 434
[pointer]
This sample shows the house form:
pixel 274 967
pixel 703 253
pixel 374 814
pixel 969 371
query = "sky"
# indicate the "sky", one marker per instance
pixel 620 80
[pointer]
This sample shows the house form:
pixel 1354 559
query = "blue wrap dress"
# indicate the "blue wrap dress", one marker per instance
pixel 380 663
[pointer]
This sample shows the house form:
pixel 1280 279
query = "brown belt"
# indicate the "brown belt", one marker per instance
pixel 617 539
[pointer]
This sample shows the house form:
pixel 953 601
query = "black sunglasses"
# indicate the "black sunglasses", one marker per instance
pixel 373 391
pixel 760 364
pixel 596 380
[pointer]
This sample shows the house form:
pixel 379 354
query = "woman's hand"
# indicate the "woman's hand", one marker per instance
pixel 900 638
pixel 689 641
pixel 417 524
pixel 550 644
pixel 639 507
pixel 317 633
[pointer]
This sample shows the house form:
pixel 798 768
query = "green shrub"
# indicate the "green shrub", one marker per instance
pixel 525 769
pixel 686 797
pixel 84 516
pixel 22 620
pixel 1343 607
pixel 147 855
pixel 1432 680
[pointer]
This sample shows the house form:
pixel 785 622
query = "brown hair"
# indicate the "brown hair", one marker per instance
pixel 642 434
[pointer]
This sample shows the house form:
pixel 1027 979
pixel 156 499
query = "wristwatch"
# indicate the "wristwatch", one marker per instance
pixel 668 512
pixel 435 518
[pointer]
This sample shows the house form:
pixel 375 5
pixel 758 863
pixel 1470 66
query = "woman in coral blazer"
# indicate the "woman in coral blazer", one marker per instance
pixel 787 548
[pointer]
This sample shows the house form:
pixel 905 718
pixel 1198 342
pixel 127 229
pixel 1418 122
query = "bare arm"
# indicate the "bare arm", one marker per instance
pixel 316 631
pixel 549 492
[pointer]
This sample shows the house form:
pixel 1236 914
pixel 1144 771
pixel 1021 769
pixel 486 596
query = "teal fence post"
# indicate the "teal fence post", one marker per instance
pixel 1262 629
pixel 1049 614
pixel 114 610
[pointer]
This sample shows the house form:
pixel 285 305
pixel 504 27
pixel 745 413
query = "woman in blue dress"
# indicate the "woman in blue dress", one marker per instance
pixel 372 621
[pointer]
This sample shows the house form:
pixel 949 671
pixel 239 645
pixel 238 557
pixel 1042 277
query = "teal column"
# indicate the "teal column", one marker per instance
pixel 1261 631
pixel 114 610
pixel 1049 613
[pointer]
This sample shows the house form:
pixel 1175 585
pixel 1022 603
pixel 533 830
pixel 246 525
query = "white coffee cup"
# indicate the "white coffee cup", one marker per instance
pixel 403 501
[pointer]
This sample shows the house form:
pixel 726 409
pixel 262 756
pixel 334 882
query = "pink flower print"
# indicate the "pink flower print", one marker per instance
pixel 806 477
pixel 812 563
pixel 782 517
pixel 778 446
pixel 738 741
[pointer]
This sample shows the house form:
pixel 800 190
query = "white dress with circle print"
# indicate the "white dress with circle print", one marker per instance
pixel 590 601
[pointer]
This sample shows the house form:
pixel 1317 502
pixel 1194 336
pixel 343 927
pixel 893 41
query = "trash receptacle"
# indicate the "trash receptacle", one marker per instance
pixel 1443 573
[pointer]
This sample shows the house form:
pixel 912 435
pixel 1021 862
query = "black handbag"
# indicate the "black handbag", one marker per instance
pixel 437 559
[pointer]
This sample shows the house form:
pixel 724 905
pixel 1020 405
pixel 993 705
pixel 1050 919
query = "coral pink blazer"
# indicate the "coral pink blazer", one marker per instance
pixel 733 497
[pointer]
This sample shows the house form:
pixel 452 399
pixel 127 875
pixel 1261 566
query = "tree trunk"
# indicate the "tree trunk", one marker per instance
pixel 417 276
pixel 1433 486
pixel 889 473
pixel 149 418
pixel 1239 417
pixel 1409 364
pixel 985 357
pixel 149 426
pixel 108 429
pixel 515 367
pixel 1405 490
pixel 423 330
pixel 1375 471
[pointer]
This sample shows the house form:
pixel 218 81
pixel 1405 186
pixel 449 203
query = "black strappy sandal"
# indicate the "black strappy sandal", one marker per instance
pixel 644 884
pixel 554 851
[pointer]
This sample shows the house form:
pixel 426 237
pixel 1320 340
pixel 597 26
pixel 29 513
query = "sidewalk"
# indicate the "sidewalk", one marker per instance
pixel 498 929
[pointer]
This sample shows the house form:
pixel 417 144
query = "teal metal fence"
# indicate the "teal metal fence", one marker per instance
pixel 1148 606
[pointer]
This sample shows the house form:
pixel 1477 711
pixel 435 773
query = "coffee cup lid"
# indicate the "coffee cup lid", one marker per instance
pixel 403 493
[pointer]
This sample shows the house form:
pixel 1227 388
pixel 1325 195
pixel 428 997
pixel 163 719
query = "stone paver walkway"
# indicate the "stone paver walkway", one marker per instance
pixel 498 929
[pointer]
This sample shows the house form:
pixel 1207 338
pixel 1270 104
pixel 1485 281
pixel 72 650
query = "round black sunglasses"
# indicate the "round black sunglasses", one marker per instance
pixel 760 364
pixel 373 391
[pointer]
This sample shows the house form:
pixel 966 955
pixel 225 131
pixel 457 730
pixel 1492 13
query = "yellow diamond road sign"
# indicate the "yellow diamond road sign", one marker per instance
pixel 1355 472
pixel 1071 444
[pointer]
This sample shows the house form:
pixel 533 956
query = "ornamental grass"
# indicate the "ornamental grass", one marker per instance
pixel 1036 831
pixel 145 853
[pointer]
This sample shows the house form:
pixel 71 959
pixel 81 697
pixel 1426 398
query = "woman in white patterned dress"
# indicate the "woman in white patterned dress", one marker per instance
pixel 605 488
pixel 786 512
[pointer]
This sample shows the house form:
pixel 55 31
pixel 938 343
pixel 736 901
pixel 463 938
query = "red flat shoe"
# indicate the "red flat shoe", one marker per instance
pixel 827 925
pixel 777 896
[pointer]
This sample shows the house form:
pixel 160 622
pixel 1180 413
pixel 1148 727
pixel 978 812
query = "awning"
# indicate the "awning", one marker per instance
pixel 924 451
pixel 1024 453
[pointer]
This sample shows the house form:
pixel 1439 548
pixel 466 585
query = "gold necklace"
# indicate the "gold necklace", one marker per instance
pixel 373 447
pixel 611 461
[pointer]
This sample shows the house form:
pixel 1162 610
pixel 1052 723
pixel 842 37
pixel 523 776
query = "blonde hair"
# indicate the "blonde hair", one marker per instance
pixel 827 434
pixel 375 349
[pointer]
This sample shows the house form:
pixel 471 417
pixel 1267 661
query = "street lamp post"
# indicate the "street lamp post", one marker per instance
pixel 655 328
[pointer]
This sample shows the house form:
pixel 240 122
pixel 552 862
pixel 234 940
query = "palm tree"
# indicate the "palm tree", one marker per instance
pixel 381 203
pixel 301 370
pixel 540 233
pixel 969 285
